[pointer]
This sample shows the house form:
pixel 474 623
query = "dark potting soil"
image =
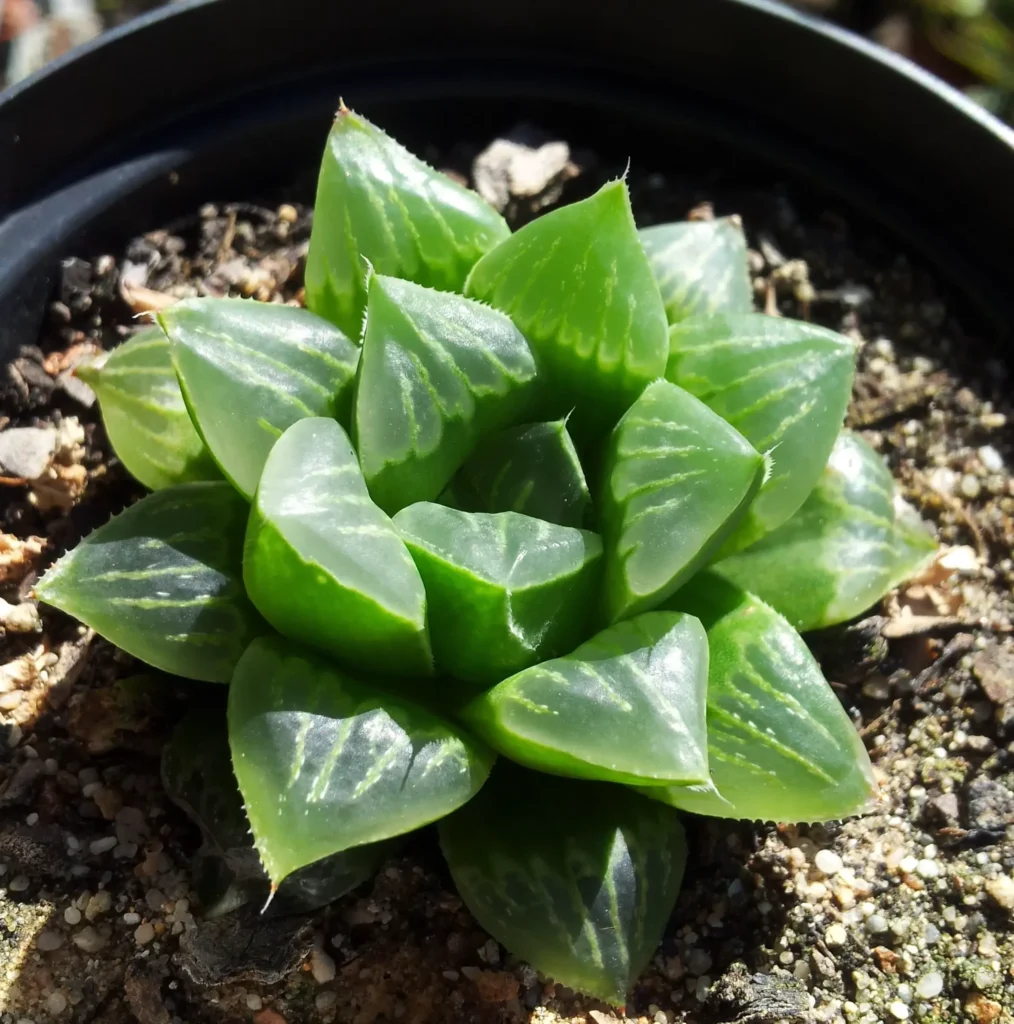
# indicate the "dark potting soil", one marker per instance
pixel 907 913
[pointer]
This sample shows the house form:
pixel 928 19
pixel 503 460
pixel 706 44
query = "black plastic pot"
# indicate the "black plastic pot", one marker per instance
pixel 220 98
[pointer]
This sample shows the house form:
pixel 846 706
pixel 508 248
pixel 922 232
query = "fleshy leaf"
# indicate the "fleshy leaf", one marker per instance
pixel 376 200
pixel 700 266
pixel 780 745
pixel 197 775
pixel 842 551
pixel 163 581
pixel 677 480
pixel 533 469
pixel 250 369
pixel 504 590
pixel 577 283
pixel 783 384
pixel 324 565
pixel 145 416
pixel 438 371
pixel 627 706
pixel 327 762
pixel 577 878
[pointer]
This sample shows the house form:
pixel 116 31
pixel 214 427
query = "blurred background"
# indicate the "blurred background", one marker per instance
pixel 969 43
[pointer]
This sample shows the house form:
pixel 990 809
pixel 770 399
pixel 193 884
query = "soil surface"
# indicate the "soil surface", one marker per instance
pixel 907 913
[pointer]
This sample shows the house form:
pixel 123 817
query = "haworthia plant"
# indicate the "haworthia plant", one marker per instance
pixel 783 385
pixel 325 565
pixel 580 880
pixel 532 469
pixel 145 416
pixel 437 373
pixel 700 266
pixel 163 580
pixel 489 501
pixel 375 201
pixel 578 285
pixel 852 540
pixel 251 369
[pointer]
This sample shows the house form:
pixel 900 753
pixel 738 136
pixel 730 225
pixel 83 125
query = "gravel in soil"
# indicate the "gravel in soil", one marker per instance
pixel 906 913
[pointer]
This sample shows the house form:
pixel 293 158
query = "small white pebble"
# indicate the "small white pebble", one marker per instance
pixel 72 915
pixel 100 846
pixel 30 752
pixel 47 941
pixel 56 1003
pixel 991 458
pixel 829 862
pixel 927 869
pixel 89 789
pixel 835 936
pixel 144 933
pixel 253 1001
pixel 19 883
pixel 970 486
pixel 898 1010
pixel 908 865
pixel 131 918
pixel 51 766
pixel 930 985
pixel 32 819
pixel 322 967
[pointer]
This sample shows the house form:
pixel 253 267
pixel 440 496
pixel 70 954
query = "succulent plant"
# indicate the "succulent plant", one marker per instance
pixel 556 495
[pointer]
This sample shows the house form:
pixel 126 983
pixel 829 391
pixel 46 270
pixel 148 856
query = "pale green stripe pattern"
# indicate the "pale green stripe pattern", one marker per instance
pixel 576 878
pixel 181 606
pixel 700 267
pixel 437 373
pixel 853 539
pixel 144 414
pixel 378 204
pixel 251 369
pixel 327 762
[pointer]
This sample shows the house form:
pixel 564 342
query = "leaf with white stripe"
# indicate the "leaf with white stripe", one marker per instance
pixel 700 266
pixel 163 580
pixel 677 480
pixel 504 590
pixel 780 745
pixel 197 776
pixel 533 469
pixel 376 200
pixel 437 372
pixel 626 706
pixel 577 283
pixel 250 369
pixel 327 762
pixel 325 566
pixel 577 878
pixel 144 414
pixel 783 384
pixel 852 541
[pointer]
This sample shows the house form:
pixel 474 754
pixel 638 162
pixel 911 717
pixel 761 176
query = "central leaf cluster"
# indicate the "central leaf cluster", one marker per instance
pixel 546 495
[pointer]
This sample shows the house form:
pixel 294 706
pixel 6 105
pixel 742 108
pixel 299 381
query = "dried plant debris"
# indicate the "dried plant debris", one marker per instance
pixel 904 914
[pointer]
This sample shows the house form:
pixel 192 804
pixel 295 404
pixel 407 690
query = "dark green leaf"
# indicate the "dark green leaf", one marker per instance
pixel 376 200
pixel 842 551
pixel 627 706
pixel 783 384
pixel 700 266
pixel 677 479
pixel 577 878
pixel 577 283
pixel 324 565
pixel 438 371
pixel 145 416
pixel 163 581
pixel 780 745
pixel 505 590
pixel 197 776
pixel 250 369
pixel 326 762
pixel 533 469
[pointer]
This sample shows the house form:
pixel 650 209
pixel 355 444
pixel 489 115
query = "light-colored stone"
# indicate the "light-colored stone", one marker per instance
pixel 828 862
pixel 26 451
